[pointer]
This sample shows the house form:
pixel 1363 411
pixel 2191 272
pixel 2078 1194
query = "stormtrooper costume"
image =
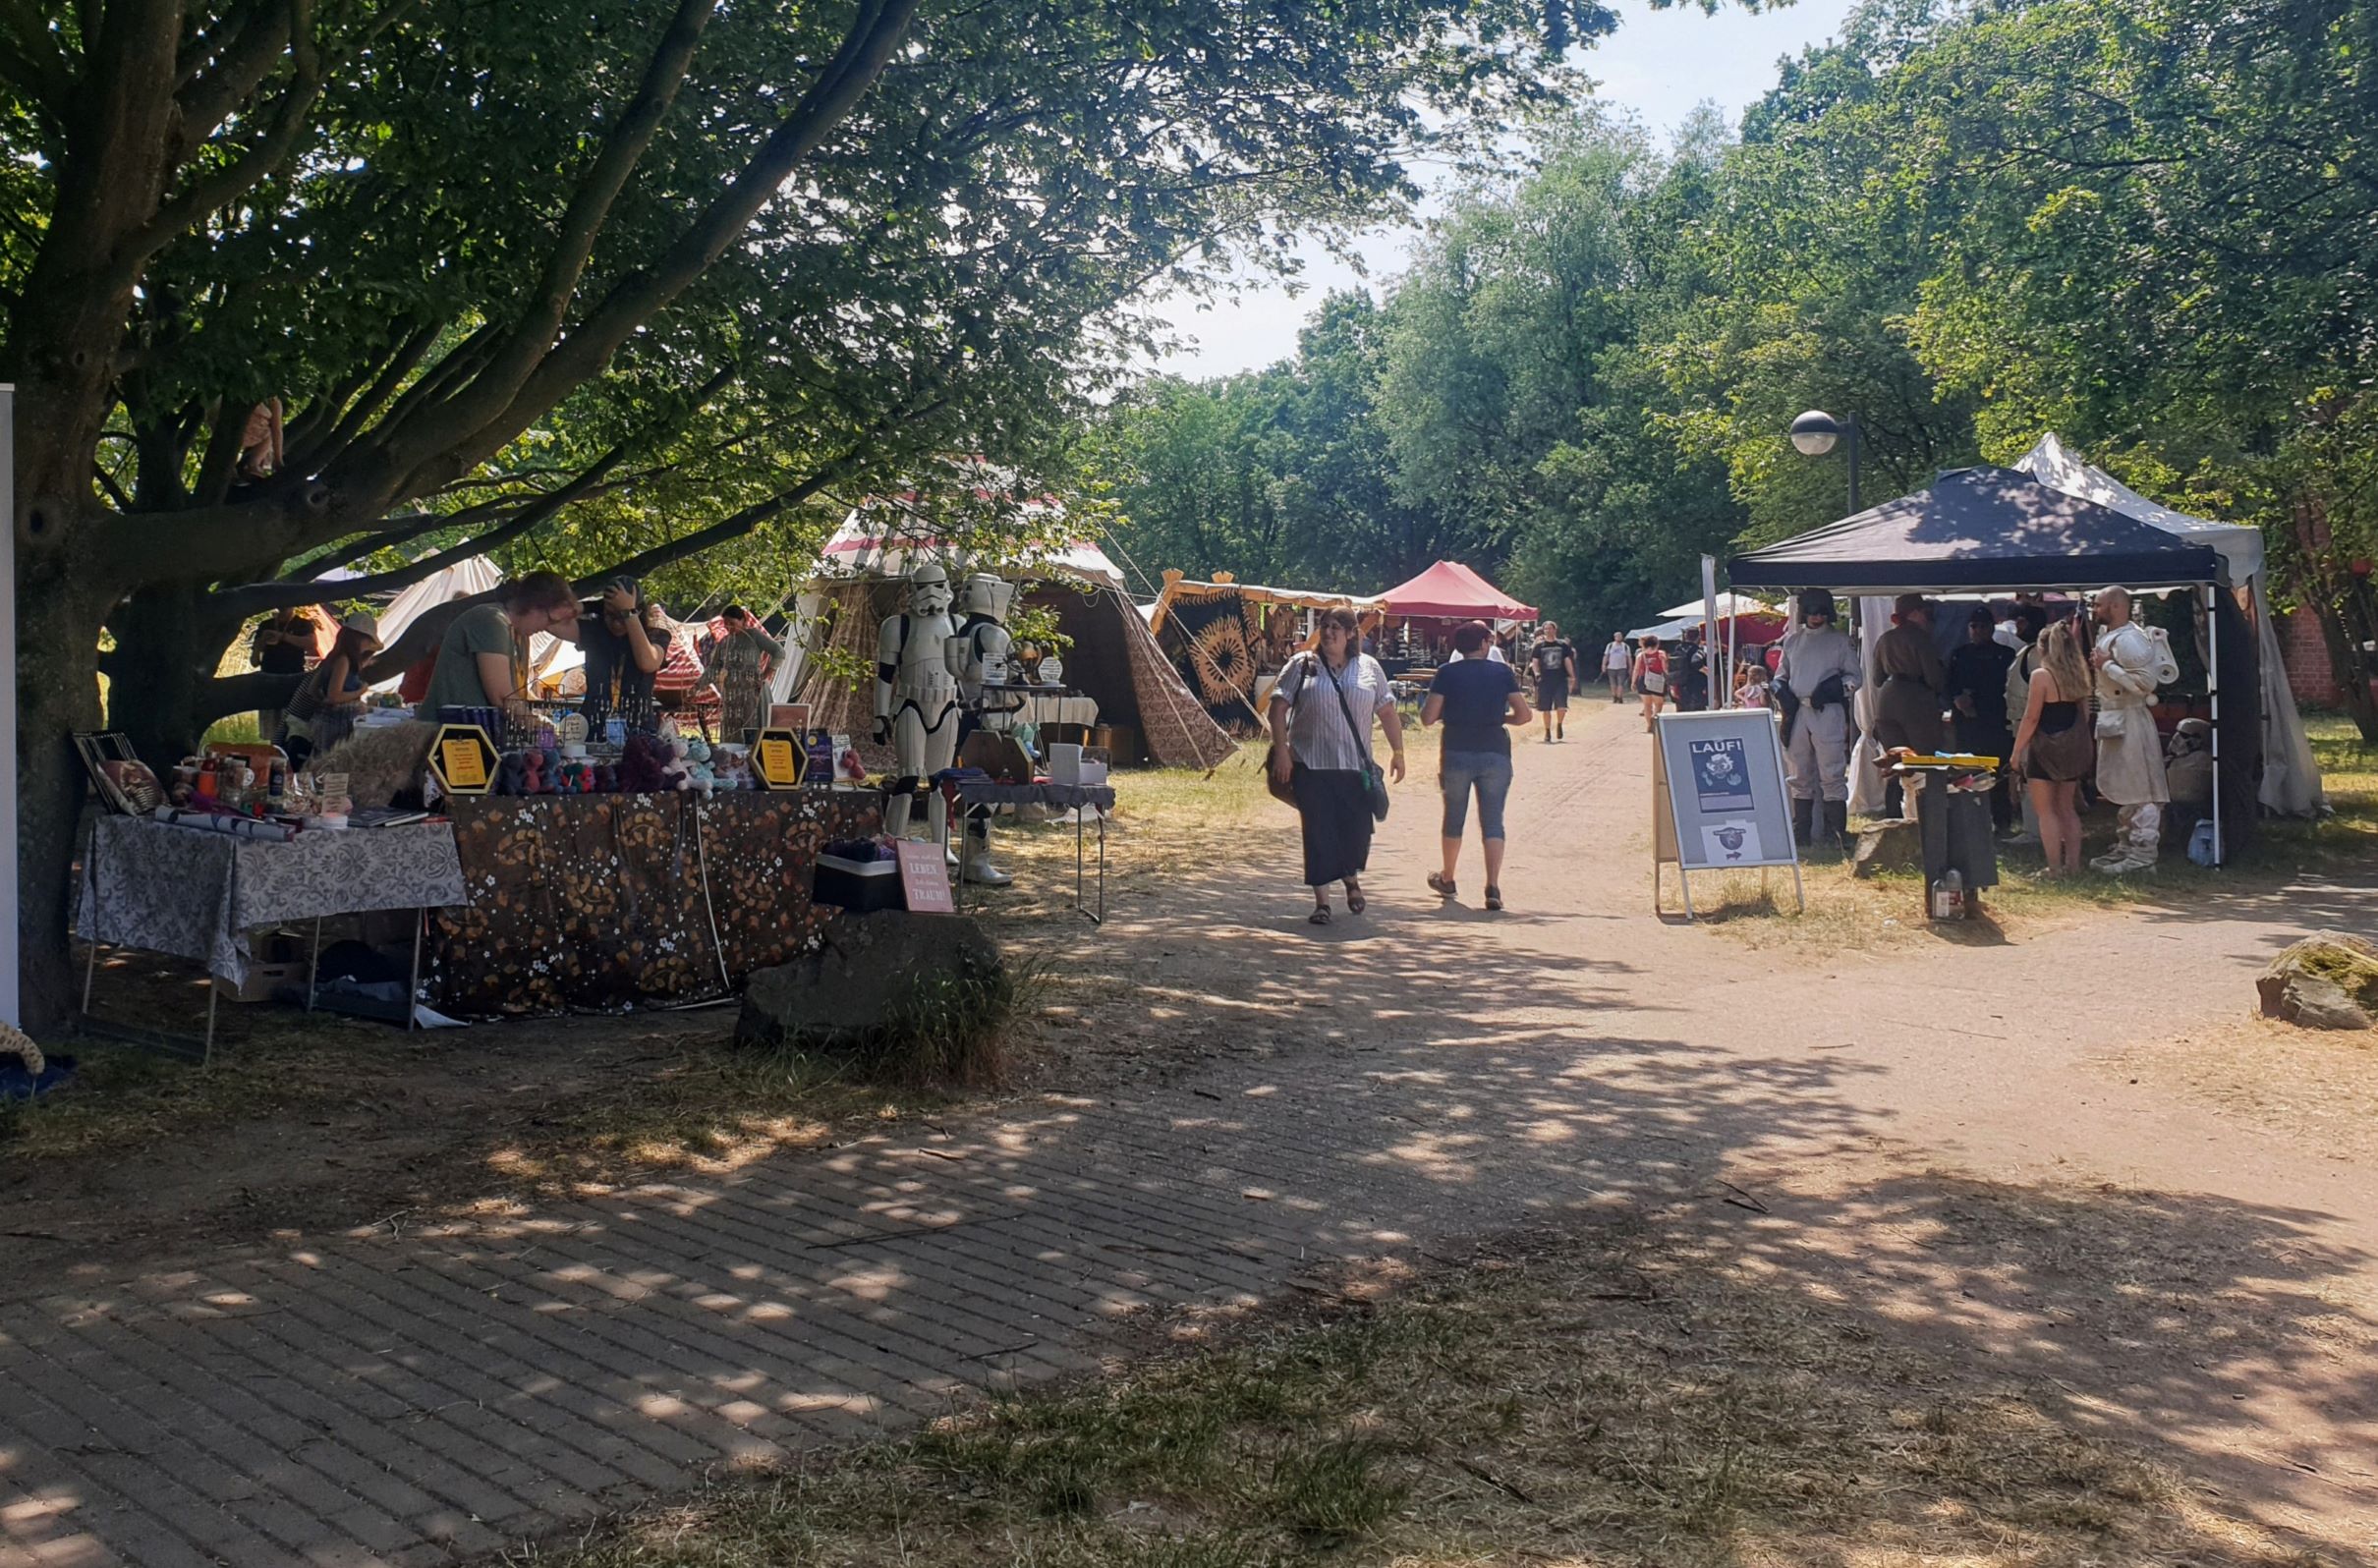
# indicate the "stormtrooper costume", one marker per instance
pixel 984 649
pixel 1816 755
pixel 917 696
pixel 2129 754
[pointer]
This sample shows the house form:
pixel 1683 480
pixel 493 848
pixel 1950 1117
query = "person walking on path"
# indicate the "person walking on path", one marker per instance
pixel 1651 680
pixel 1554 660
pixel 1477 700
pixel 1616 660
pixel 2053 748
pixel 1322 713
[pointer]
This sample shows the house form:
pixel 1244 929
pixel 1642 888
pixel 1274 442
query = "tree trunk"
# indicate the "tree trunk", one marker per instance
pixel 57 694
pixel 161 671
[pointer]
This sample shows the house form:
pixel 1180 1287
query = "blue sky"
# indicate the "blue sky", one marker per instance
pixel 1658 66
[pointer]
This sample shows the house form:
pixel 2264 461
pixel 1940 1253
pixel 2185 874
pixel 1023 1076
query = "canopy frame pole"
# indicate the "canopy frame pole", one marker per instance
pixel 2213 694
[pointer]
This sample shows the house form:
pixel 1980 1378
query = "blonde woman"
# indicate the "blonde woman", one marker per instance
pixel 2054 749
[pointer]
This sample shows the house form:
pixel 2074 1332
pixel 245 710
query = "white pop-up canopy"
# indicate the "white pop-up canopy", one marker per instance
pixel 2290 777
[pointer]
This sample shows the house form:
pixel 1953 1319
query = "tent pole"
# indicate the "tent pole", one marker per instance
pixel 2213 693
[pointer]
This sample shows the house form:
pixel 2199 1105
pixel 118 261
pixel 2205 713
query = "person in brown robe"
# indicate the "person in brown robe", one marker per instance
pixel 1915 682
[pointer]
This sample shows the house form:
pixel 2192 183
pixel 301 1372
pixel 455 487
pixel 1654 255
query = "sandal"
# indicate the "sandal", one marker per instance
pixel 1355 902
pixel 1440 884
pixel 1493 898
pixel 1319 916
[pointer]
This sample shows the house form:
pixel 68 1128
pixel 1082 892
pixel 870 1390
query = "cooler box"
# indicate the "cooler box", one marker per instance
pixel 860 887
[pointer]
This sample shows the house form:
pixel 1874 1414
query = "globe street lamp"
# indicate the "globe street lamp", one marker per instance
pixel 1815 432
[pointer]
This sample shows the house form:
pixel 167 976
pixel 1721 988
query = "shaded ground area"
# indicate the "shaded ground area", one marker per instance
pixel 1632 1387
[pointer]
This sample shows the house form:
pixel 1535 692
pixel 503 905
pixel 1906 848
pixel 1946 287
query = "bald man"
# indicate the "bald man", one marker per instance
pixel 2130 663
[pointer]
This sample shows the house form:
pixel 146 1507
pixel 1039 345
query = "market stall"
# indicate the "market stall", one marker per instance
pixel 1994 531
pixel 1229 640
pixel 1446 594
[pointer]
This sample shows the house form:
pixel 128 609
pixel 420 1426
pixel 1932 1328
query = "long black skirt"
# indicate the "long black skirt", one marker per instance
pixel 1337 814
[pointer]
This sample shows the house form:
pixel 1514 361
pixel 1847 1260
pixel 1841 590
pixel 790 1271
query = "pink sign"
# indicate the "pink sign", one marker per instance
pixel 925 877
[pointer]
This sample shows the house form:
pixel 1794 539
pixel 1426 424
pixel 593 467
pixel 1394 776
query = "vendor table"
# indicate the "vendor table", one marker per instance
pixel 607 901
pixel 1076 798
pixel 197 894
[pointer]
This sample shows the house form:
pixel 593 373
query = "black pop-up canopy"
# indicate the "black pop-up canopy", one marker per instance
pixel 1980 530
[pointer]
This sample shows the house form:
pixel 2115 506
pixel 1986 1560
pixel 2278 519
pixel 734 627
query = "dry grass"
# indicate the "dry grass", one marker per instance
pixel 1844 912
pixel 1614 1400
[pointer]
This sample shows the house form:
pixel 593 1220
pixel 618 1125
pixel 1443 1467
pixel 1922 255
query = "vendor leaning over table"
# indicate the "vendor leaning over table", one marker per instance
pixel 321 711
pixel 482 661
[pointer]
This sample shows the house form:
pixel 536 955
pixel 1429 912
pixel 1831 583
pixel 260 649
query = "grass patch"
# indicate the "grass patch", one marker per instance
pixel 954 1031
pixel 1845 912
pixel 1619 1399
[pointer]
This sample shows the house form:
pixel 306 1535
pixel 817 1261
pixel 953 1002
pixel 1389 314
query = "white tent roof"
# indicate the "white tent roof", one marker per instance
pixel 2052 465
pixel 477 575
pixel 865 544
pixel 1729 604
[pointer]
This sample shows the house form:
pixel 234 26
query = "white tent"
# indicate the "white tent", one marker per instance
pixel 1730 604
pixel 2291 779
pixel 874 542
pixel 461 580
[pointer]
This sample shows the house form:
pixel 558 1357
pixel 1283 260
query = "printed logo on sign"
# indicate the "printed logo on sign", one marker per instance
pixel 1720 775
pixel 1731 843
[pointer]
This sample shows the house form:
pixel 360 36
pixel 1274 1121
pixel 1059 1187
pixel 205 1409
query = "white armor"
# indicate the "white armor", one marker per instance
pixel 1817 761
pixel 982 654
pixel 985 648
pixel 2129 754
pixel 917 693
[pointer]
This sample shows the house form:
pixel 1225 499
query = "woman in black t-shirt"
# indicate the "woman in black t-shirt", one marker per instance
pixel 1476 698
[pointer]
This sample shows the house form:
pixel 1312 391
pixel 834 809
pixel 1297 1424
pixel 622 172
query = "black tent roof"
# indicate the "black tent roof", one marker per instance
pixel 1979 529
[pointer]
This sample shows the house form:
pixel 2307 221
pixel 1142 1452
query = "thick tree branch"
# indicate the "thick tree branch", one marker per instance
pixel 241 61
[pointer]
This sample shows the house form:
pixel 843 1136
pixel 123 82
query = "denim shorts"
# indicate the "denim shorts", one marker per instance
pixel 1491 772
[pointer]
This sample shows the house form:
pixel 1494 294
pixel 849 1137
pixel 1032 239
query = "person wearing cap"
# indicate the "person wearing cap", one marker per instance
pixel 321 711
pixel 1815 679
pixel 621 657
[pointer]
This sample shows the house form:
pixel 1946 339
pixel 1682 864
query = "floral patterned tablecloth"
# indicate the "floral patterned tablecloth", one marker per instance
pixel 197 894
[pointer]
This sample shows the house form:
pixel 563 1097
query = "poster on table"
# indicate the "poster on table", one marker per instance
pixel 925 877
pixel 1723 775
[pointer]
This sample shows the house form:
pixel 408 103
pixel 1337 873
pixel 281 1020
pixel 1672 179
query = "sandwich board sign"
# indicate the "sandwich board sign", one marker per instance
pixel 1718 802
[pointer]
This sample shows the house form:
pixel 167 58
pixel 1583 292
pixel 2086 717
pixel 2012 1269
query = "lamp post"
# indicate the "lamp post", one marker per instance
pixel 1815 432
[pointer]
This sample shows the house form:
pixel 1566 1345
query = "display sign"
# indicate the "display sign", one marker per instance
pixel 779 757
pixel 463 759
pixel 1719 800
pixel 925 877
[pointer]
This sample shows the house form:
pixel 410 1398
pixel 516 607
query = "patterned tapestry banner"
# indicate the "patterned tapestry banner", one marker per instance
pixel 606 901
pixel 1210 638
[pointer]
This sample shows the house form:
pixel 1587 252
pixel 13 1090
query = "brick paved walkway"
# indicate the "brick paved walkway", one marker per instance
pixel 426 1396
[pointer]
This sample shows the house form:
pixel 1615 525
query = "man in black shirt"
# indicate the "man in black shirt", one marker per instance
pixel 1690 672
pixel 1977 692
pixel 622 657
pixel 1554 662
pixel 1478 698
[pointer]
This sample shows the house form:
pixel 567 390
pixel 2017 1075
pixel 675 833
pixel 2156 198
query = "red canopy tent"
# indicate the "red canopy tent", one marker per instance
pixel 1451 592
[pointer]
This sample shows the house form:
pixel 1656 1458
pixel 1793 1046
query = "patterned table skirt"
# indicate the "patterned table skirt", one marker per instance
pixel 604 901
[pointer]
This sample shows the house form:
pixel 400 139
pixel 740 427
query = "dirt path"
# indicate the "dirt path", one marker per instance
pixel 1968 1145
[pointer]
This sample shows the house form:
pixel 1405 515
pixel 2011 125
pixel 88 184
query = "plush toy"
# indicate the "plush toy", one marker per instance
pixel 576 777
pixel 676 773
pixel 640 764
pixel 607 778
pixel 698 765
pixel 511 774
pixel 533 779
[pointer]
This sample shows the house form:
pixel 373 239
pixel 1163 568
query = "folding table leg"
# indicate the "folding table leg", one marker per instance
pixel 314 965
pixel 413 988
pixel 214 995
pixel 90 966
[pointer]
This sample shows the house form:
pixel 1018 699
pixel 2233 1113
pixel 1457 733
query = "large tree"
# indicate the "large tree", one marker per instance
pixel 499 261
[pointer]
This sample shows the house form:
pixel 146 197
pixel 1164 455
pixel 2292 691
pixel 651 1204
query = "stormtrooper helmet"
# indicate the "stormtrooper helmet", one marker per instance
pixel 988 595
pixel 928 590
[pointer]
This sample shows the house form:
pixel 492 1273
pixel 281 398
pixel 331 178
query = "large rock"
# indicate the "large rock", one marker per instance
pixel 2325 981
pixel 864 981
pixel 1891 845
